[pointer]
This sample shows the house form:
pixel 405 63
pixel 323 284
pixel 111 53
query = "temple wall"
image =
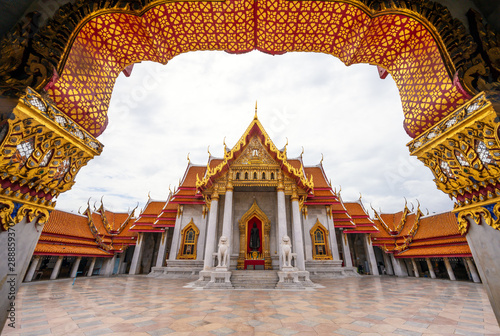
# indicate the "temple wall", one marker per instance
pixel 242 201
pixel 313 214
pixel 195 212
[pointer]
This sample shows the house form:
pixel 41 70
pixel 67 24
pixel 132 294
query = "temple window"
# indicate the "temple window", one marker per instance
pixel 238 175
pixel 246 175
pixel 319 237
pixel 263 176
pixel 254 175
pixel 272 176
pixel 188 241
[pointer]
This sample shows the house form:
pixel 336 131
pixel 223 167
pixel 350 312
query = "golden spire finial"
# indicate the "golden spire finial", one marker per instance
pixel 321 162
pixel 360 196
pixel 224 142
pixel 255 116
pixel 149 195
pixel 208 150
pixel 189 160
pixel 302 152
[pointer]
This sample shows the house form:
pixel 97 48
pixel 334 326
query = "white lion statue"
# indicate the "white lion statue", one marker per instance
pixel 286 252
pixel 223 252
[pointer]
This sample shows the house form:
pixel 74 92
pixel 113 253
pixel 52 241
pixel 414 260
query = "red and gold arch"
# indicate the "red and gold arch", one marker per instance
pixel 399 40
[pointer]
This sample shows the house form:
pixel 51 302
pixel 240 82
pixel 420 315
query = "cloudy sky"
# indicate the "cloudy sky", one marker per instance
pixel 161 113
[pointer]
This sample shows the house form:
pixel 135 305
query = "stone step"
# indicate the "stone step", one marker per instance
pixel 251 279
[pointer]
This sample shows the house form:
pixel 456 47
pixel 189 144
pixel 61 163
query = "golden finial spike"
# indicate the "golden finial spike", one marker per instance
pixel 208 150
pixel 189 161
pixel 360 197
pixel 224 142
pixel 302 152
pixel 79 210
pixel 321 162
pixel 255 116
pixel 149 195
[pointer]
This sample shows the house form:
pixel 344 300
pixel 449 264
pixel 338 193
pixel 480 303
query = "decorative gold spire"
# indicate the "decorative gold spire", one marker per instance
pixel 208 151
pixel 255 116
pixel 321 162
pixel 302 152
pixel 189 161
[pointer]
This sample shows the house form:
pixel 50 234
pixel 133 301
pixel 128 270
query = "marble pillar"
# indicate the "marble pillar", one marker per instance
pixel 162 250
pixel 57 268
pixel 332 235
pixel 388 264
pixel 298 243
pixel 33 267
pixel 473 270
pixel 398 268
pixel 449 269
pixel 91 267
pixel 135 265
pixel 74 267
pixel 281 220
pixel 211 231
pixel 346 249
pixel 431 268
pixel 109 265
pixel 415 268
pixel 176 237
pixel 370 254
pixel 227 219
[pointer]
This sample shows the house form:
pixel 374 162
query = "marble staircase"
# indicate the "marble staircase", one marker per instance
pixel 251 279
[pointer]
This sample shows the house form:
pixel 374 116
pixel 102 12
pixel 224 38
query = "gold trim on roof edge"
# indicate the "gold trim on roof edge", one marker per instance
pixel 203 183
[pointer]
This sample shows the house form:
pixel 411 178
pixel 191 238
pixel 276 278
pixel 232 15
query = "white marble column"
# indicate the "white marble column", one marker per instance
pixel 109 265
pixel 370 254
pixel 57 268
pixel 332 235
pixel 388 264
pixel 449 269
pixel 74 267
pixel 346 250
pixel 227 219
pixel 31 271
pixel 211 230
pixel 91 267
pixel 431 268
pixel 298 243
pixel 415 268
pixel 473 270
pixel 162 250
pixel 281 213
pixel 135 265
pixel 398 269
pixel 176 237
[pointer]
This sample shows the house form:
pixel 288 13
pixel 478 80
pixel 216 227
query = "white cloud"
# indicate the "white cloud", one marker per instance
pixel 161 113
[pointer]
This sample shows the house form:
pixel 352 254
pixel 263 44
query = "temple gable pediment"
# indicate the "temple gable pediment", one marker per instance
pixel 255 154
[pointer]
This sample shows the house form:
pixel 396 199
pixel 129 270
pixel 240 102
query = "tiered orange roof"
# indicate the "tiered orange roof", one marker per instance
pixel 360 218
pixel 146 220
pixel 68 234
pixel 410 235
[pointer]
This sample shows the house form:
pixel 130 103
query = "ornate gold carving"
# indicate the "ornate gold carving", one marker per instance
pixel 42 150
pixel 189 242
pixel 254 211
pixel 250 157
pixel 463 152
pixel 319 238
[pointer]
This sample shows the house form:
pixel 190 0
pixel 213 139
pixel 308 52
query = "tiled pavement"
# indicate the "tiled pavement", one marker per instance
pixel 137 305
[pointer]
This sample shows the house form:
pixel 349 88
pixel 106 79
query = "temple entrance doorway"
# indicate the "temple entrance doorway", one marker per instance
pixel 254 229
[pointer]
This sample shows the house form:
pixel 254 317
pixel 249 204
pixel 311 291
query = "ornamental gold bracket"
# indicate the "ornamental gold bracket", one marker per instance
pixel 463 153
pixel 42 150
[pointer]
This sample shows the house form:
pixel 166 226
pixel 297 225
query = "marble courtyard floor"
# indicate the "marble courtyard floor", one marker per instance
pixel 138 305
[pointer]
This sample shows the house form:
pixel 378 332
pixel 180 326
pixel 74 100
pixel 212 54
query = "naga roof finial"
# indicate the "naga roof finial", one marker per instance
pixel 321 162
pixel 189 160
pixel 302 152
pixel 208 150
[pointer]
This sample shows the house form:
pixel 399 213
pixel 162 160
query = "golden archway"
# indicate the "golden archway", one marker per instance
pixel 189 240
pixel 254 212
pixel 422 47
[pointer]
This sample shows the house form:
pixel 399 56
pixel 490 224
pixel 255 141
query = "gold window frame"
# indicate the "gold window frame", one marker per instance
pixel 184 232
pixel 328 253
